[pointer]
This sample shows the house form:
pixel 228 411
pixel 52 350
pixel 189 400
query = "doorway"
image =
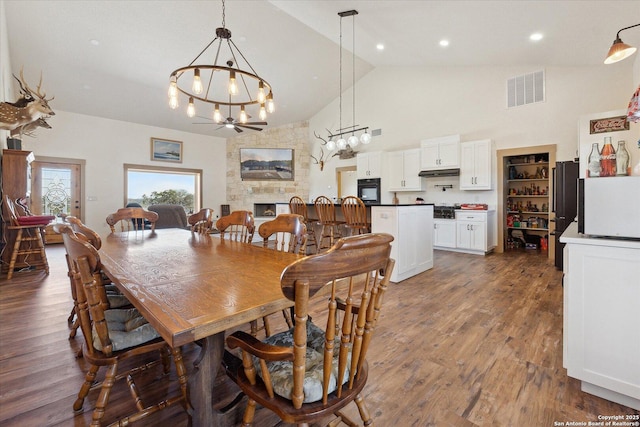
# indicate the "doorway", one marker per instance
pixel 57 186
pixel 347 180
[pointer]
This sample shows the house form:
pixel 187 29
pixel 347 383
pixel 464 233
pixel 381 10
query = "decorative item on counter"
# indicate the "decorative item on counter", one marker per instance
pixel 622 160
pixel 594 161
pixel 395 200
pixel 419 201
pixel 607 158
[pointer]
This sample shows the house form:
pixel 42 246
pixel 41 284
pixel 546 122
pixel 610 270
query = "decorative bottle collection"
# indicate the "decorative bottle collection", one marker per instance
pixel 608 161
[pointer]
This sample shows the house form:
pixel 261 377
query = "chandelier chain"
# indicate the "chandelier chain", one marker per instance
pixel 223 15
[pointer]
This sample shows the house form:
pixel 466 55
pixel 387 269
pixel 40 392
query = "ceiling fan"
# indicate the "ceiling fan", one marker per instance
pixel 231 123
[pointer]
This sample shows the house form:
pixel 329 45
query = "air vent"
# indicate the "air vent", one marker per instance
pixel 525 89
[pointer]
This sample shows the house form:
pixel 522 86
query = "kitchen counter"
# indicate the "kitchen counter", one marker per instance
pixel 601 330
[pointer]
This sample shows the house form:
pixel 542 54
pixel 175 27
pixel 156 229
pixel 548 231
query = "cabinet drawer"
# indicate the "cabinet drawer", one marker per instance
pixel 470 216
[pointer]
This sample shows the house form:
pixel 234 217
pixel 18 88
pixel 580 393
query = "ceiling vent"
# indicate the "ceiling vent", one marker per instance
pixel 525 89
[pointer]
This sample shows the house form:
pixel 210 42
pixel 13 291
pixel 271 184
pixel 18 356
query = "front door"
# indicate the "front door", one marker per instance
pixel 56 189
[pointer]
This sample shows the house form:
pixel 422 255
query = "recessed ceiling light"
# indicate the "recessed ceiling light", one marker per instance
pixel 94 42
pixel 380 46
pixel 444 43
pixel 536 37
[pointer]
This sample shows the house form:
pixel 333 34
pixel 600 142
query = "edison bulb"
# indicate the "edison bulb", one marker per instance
pixel 197 82
pixel 191 108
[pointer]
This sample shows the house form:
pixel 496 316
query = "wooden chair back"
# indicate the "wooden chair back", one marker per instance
pixel 354 274
pixel 355 215
pixel 325 209
pixel 202 221
pixel 287 232
pixel 238 226
pixel 298 206
pixel 131 219
pixel 11 210
pixel 77 226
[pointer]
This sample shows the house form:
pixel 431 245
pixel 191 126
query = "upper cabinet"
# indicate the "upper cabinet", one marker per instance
pixel 369 165
pixel 475 165
pixel 440 153
pixel 403 169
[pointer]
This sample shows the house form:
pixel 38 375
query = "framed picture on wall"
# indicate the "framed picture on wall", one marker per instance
pixel 166 150
pixel 273 164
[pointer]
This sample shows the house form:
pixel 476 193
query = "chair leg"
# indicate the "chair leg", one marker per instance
pixel 105 392
pixel 364 412
pixel 14 254
pixel 249 413
pixel 43 254
pixel 86 386
pixel 181 371
pixel 287 318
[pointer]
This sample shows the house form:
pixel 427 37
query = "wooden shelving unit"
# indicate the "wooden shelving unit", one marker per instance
pixel 527 201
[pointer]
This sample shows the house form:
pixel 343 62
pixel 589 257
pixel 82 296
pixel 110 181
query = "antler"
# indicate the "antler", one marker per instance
pixel 24 91
pixel 40 95
pixel 324 141
pixel 321 160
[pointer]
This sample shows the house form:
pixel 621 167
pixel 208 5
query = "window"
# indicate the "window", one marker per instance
pixel 152 185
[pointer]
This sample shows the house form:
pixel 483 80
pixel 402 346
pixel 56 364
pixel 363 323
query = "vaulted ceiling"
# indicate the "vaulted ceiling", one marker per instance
pixel 113 58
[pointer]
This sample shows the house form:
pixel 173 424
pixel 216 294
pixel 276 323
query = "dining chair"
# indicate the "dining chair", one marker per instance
pixel 238 226
pixel 114 298
pixel 355 215
pixel 28 229
pixel 316 369
pixel 113 336
pixel 128 218
pixel 285 233
pixel 201 221
pixel 326 211
pixel 298 206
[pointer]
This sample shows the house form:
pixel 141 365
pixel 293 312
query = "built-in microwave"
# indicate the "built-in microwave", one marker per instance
pixel 369 191
pixel 609 207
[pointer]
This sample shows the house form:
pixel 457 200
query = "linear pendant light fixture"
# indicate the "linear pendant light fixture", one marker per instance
pixel 620 50
pixel 224 84
pixel 337 140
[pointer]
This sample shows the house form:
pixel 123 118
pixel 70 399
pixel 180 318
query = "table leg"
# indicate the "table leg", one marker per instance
pixel 202 379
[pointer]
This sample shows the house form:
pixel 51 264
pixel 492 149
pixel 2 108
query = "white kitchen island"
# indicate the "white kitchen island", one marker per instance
pixel 601 340
pixel 412 229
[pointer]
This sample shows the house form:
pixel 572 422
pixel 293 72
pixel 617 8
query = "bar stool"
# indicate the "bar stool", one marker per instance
pixel 299 207
pixel 355 215
pixel 326 211
pixel 29 232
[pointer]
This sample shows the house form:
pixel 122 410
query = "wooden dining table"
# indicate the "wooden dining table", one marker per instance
pixel 193 287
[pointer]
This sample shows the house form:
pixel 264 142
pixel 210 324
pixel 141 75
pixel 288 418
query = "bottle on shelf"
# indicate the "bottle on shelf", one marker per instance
pixel 593 167
pixel 608 158
pixel 622 160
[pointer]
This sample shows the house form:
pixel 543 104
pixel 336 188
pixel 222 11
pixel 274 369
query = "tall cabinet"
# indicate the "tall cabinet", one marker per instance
pixel 16 182
pixel 527 201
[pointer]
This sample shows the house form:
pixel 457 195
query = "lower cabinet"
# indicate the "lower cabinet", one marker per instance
pixel 601 342
pixel 444 233
pixel 412 229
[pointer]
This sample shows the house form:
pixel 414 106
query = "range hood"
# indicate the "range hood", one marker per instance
pixel 439 173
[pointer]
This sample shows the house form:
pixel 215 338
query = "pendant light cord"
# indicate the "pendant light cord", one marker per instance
pixel 353 80
pixel 340 118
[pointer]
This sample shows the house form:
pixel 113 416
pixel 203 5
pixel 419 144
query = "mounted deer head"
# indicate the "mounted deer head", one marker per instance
pixel 13 116
pixel 29 128
pixel 319 161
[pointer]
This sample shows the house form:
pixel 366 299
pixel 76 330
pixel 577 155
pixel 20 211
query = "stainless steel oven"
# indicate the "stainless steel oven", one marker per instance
pixel 369 191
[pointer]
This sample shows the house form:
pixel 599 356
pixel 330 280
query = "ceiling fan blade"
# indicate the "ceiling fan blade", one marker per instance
pixel 250 127
pixel 204 117
pixel 237 129
pixel 201 123
pixel 256 123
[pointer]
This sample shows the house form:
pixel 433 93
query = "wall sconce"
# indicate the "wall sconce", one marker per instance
pixel 620 50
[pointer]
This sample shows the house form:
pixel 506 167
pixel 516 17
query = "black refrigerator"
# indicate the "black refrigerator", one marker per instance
pixel 565 201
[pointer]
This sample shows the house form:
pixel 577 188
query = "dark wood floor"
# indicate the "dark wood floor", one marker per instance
pixel 476 341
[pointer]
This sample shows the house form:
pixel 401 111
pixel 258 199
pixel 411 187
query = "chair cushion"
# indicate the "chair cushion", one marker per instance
pixel 127 328
pixel 35 219
pixel 282 371
pixel 115 297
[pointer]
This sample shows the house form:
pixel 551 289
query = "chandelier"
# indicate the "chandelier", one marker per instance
pixel 337 139
pixel 229 84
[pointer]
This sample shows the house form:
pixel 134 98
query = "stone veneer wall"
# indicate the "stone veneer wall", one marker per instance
pixel 241 195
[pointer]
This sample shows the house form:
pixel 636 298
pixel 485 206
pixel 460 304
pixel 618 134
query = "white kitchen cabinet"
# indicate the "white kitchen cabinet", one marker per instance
pixel 412 229
pixel 444 233
pixel 369 165
pixel 440 153
pixel 601 342
pixel 475 165
pixel 403 169
pixel 475 231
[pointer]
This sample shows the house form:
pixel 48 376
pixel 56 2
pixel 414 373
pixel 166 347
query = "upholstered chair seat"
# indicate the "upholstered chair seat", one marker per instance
pixel 127 328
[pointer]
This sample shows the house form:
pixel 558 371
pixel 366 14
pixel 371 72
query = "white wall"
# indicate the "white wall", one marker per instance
pixel 6 89
pixel 410 104
pixel 107 144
